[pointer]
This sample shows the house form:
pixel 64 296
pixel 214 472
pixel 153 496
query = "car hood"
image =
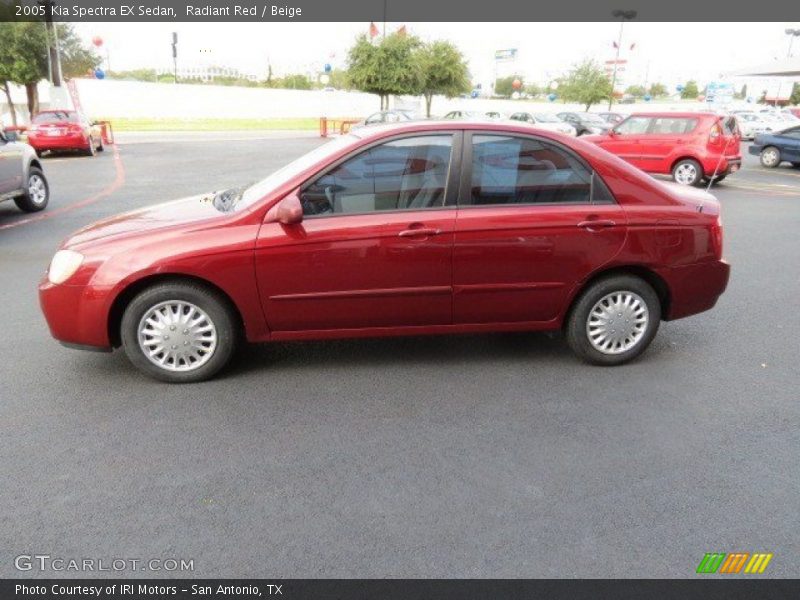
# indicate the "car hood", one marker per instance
pixel 181 212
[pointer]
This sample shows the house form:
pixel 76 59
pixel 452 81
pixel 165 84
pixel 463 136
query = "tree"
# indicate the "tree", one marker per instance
pixel 795 98
pixel 295 81
pixel 658 89
pixel 586 84
pixel 504 86
pixel 444 71
pixel 6 72
pixel 636 90
pixel 690 90
pixel 389 67
pixel 532 89
pixel 24 56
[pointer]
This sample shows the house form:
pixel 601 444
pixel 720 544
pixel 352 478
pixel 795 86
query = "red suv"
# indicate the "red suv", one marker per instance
pixel 689 146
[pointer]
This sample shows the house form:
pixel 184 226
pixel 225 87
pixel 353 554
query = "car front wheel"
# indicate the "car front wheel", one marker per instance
pixel 37 192
pixel 770 157
pixel 179 332
pixel 687 172
pixel 614 320
pixel 92 149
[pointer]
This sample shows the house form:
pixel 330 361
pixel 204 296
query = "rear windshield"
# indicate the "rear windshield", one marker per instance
pixel 56 116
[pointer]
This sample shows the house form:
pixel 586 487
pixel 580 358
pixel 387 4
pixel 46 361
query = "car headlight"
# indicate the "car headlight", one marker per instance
pixel 64 265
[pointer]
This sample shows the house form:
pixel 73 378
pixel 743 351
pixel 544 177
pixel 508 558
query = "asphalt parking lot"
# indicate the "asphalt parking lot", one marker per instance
pixel 464 456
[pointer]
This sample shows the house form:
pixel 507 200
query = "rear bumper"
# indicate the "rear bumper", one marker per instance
pixel 64 142
pixel 728 164
pixel 76 315
pixel 695 288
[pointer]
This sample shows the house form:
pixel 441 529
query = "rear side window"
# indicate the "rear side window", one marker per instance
pixel 513 170
pixel 673 125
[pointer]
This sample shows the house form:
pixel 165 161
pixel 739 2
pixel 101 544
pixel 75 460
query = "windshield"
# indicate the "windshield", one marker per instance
pixel 55 117
pixel 258 190
pixel 545 118
pixel 591 118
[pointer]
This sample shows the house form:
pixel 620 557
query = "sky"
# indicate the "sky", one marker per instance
pixel 670 53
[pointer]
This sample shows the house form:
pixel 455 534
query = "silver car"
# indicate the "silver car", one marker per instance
pixel 21 175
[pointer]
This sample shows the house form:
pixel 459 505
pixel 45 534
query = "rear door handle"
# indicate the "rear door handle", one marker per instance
pixel 420 232
pixel 596 224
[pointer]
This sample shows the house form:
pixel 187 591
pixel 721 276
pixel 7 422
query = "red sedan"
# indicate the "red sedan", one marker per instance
pixel 64 130
pixel 690 146
pixel 420 228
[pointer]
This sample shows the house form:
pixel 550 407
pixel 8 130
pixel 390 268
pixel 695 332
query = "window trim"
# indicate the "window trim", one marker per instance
pixel 465 185
pixel 451 186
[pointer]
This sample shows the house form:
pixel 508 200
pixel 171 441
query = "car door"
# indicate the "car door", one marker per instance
pixel 665 140
pixel 790 144
pixel 533 221
pixel 10 166
pixel 375 245
pixel 624 140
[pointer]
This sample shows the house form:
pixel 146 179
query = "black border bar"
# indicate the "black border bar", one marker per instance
pixel 417 11
pixel 412 589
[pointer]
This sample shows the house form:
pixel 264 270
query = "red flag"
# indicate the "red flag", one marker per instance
pixel 373 30
pixel 401 31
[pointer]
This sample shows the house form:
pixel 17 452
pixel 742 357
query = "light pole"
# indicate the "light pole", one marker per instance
pixel 622 15
pixel 792 33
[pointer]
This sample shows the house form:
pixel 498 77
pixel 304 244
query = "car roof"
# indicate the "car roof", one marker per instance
pixel 379 131
pixel 676 114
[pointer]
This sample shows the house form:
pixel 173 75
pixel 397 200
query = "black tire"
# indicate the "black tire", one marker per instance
pixel 682 168
pixel 717 179
pixel 218 311
pixel 29 202
pixel 102 146
pixel 770 157
pixel 576 328
pixel 796 165
pixel 92 149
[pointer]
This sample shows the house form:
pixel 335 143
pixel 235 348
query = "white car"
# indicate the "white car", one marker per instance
pixel 545 121
pixel 751 124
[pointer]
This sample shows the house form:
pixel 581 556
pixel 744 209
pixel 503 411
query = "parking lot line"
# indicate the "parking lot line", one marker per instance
pixel 119 181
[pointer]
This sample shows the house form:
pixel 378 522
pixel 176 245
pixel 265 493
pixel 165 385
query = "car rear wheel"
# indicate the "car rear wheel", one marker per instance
pixel 92 149
pixel 770 157
pixel 614 320
pixel 101 146
pixel 179 332
pixel 37 192
pixel 687 172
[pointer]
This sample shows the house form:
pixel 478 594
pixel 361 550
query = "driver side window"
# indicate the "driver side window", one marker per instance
pixel 633 125
pixel 405 174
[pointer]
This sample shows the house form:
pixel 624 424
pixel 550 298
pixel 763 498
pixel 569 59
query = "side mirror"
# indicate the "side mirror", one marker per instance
pixel 288 211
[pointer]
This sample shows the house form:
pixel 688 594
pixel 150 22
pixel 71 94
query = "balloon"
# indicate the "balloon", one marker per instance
pixel 97 41
pixel 516 84
pixel 328 68
pixel 99 73
pixel 647 97
pixel 552 97
pixel 750 99
pixel 474 93
pixel 679 88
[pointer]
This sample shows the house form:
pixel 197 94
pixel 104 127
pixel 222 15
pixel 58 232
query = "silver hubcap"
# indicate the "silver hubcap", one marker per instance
pixel 177 336
pixel 770 157
pixel 617 322
pixel 686 174
pixel 37 190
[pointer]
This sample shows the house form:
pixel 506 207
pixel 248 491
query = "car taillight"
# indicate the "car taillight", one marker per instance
pixel 715 133
pixel 716 237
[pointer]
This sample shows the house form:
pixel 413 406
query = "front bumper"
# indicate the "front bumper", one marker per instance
pixel 77 315
pixel 754 150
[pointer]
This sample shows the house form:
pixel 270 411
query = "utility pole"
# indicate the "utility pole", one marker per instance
pixel 622 15
pixel 175 55
pixel 53 57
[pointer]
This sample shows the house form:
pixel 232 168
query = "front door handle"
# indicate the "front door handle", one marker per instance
pixel 593 224
pixel 420 232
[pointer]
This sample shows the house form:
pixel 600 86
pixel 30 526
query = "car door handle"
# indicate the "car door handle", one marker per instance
pixel 419 232
pixel 593 224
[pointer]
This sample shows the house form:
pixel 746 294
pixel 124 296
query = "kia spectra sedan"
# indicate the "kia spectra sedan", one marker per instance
pixel 419 228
